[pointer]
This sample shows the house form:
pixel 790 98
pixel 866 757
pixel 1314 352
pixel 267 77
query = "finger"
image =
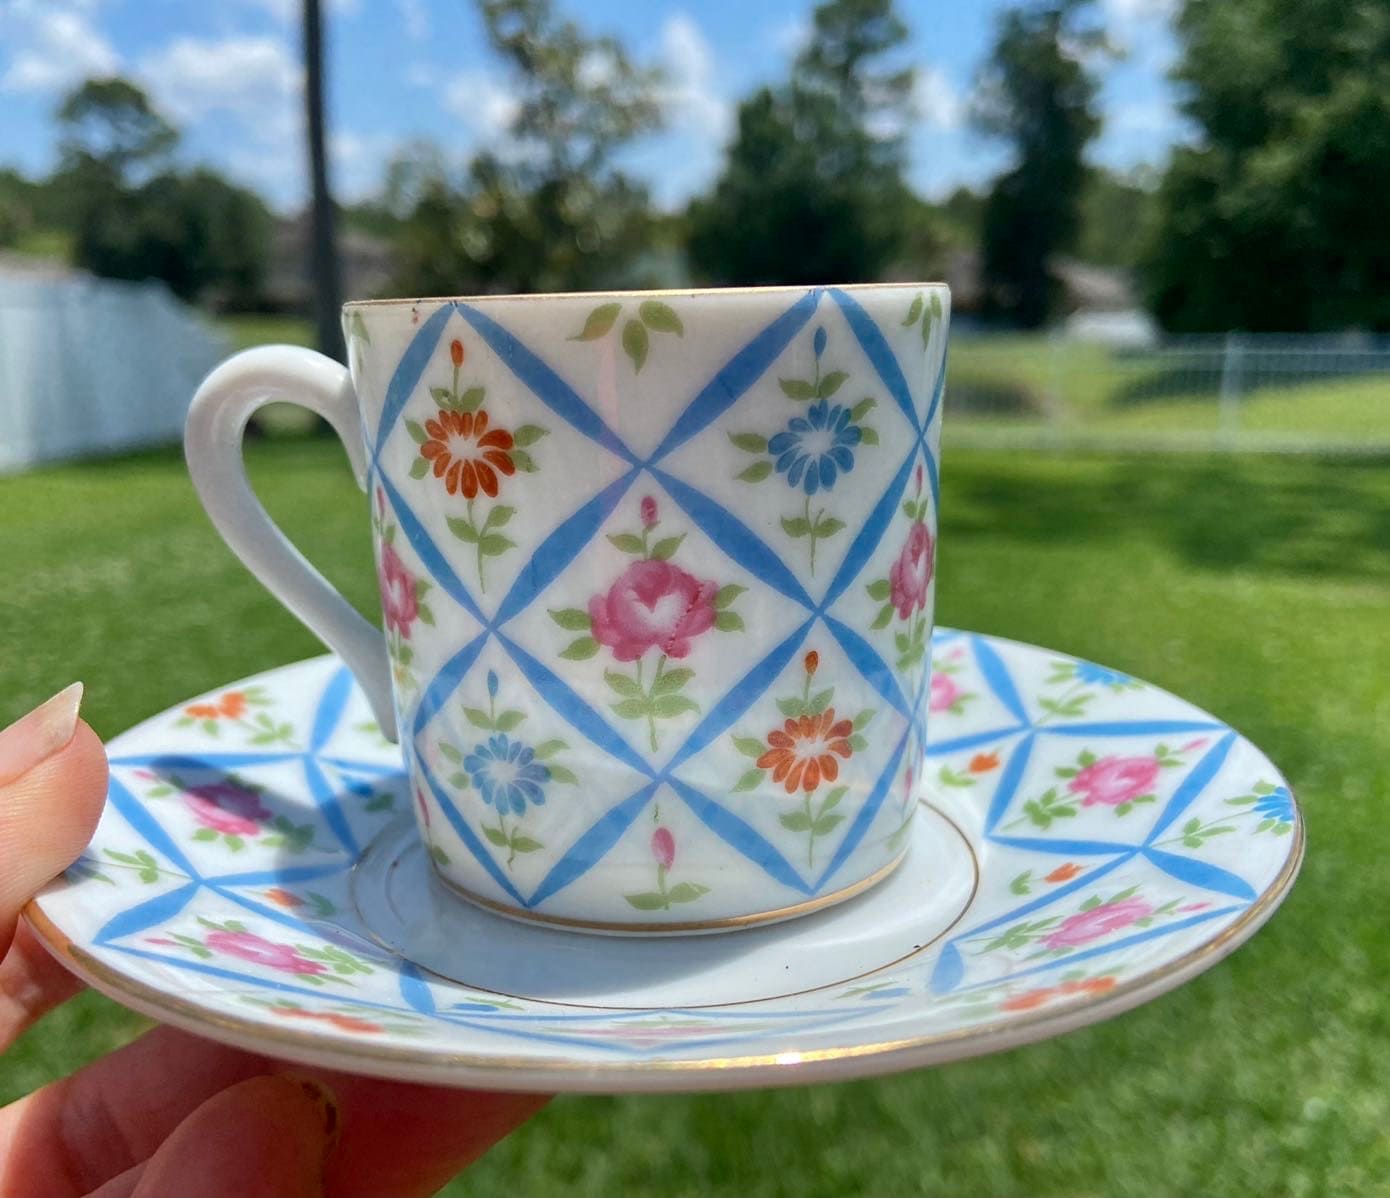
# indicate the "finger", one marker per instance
pixel 262 1138
pixel 409 1140
pixel 31 983
pixel 121 1186
pixel 47 815
pixel 52 787
pixel 109 1117
pixel 81 1131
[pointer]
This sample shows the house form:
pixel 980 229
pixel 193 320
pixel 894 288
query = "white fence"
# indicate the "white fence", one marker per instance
pixel 93 366
pixel 1300 393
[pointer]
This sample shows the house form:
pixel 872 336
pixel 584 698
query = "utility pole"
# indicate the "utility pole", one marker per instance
pixel 323 253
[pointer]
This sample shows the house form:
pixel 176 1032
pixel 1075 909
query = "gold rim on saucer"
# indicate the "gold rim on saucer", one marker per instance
pixel 524 1073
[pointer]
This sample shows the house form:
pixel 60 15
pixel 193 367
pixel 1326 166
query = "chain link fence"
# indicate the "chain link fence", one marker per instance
pixel 1241 392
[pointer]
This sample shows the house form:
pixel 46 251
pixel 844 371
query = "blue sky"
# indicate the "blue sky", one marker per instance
pixel 227 72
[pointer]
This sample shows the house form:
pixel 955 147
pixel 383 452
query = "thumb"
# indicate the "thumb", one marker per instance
pixel 266 1137
pixel 52 787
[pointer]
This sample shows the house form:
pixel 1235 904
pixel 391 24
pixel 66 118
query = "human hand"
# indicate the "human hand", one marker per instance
pixel 171 1114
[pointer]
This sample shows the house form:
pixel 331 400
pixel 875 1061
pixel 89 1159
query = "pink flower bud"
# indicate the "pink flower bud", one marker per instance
pixel 664 847
pixel 648 511
pixel 919 477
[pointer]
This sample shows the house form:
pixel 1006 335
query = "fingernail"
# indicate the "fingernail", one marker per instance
pixel 35 737
pixel 327 1103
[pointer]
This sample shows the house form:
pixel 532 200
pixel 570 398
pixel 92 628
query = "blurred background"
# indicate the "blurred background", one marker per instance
pixel 1162 221
pixel 1157 217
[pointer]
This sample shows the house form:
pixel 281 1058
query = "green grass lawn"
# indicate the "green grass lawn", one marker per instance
pixel 247 329
pixel 1014 384
pixel 46 243
pixel 1259 588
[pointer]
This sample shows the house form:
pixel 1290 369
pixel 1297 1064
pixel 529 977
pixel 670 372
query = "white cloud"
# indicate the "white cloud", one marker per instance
pixel 257 84
pixel 346 148
pixel 935 99
pixel 699 116
pixel 420 74
pixel 1153 117
pixel 1128 12
pixel 356 160
pixel 55 47
pixel 596 68
pixel 934 104
pixel 415 19
pixel 1141 117
pixel 692 96
pixel 482 102
pixel 790 37
pixel 1142 28
pixel 256 79
pixel 1093 54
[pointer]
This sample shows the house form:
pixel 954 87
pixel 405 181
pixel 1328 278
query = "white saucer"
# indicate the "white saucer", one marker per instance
pixel 1087 842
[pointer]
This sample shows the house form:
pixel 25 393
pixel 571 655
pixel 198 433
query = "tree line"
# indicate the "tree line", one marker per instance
pixel 129 213
pixel 1264 219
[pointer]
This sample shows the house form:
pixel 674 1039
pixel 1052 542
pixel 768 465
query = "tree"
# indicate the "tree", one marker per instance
pixel 206 238
pixel 19 202
pixel 133 218
pixel 1113 213
pixel 1037 93
pixel 550 211
pixel 110 136
pixel 111 123
pixel 963 212
pixel 812 189
pixel 842 59
pixel 1271 220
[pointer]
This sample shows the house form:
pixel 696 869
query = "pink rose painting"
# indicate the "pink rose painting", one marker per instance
pixel 250 947
pixel 665 896
pixel 1115 780
pixel 911 575
pixel 653 604
pixel 944 693
pixel 227 808
pixel 1085 926
pixel 398 604
pixel 664 847
pixel 904 594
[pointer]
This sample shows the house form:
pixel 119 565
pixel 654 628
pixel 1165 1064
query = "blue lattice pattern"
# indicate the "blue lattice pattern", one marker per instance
pixel 220 869
pixel 787 617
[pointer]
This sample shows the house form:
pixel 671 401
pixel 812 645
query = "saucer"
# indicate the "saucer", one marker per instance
pixel 1084 843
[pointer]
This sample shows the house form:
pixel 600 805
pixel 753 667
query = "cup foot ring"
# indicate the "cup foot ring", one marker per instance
pixel 410 911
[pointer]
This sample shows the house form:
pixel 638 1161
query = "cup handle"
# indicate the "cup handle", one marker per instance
pixel 213 436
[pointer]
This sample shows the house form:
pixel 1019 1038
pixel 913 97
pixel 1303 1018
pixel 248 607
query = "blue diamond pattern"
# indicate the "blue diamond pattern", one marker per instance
pixel 722 526
pixel 947 972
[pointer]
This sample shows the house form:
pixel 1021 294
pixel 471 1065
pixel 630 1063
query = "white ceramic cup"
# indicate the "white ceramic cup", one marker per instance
pixel 657 577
